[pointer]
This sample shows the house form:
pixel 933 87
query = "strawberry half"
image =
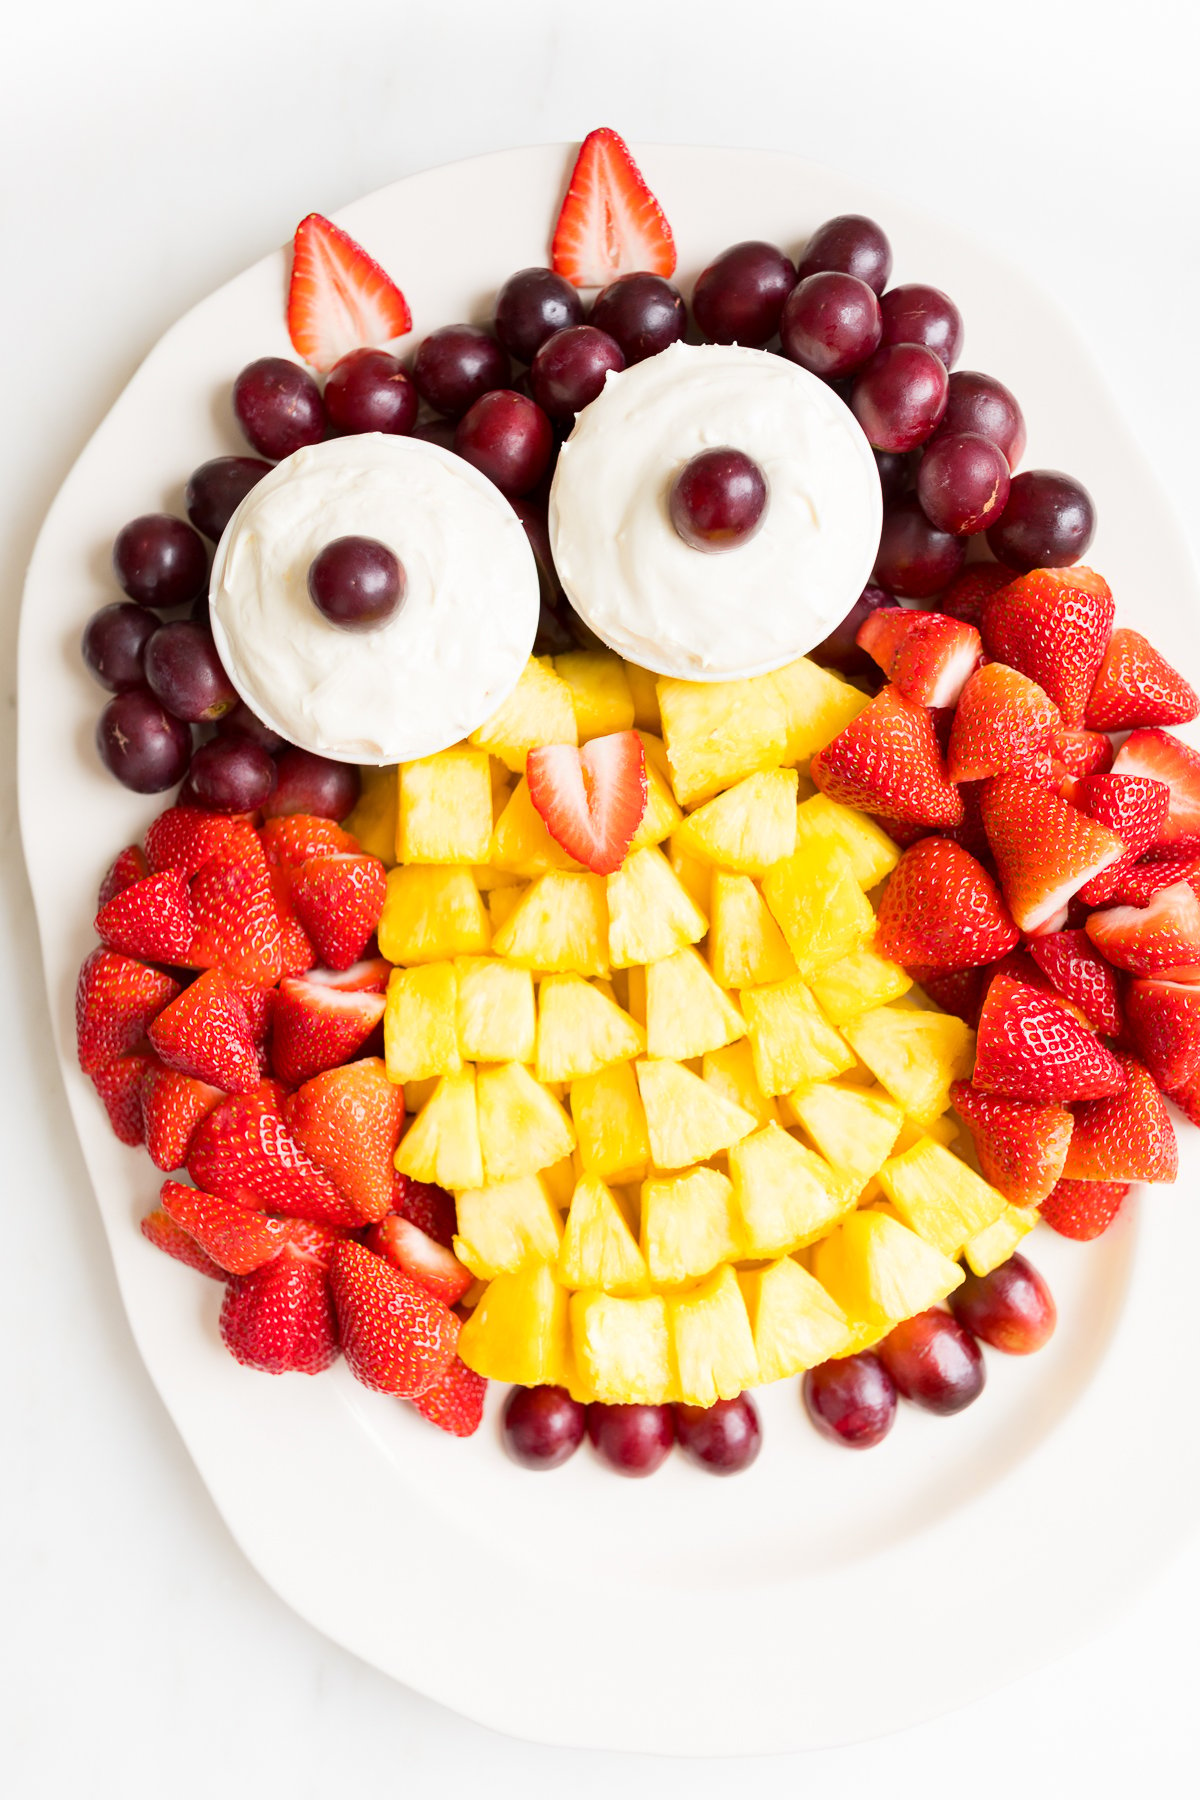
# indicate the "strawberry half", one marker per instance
pixel 129 866
pixel 1160 757
pixel 280 1317
pixel 1138 885
pixel 1162 938
pixel 338 898
pixel 1045 848
pixel 236 1239
pixel 437 1269
pixel 205 1033
pixel 1126 1136
pixel 1004 722
pixel 172 1106
pixel 318 1027
pixel 591 800
pixel 1132 806
pixel 244 1152
pixel 1082 752
pixel 173 1240
pixel 237 923
pixel 370 976
pixel 151 919
pixel 970 593
pixel 1021 1144
pixel 454 1402
pixel 1079 974
pixel 1136 686
pixel 610 223
pixel 888 761
pixel 926 655
pixel 1083 1209
pixel 291 838
pixel 296 953
pixel 339 298
pixel 1054 626
pixel 349 1121
pixel 957 991
pixel 1030 1047
pixel 115 1000
pixel 185 838
pixel 120 1085
pixel 1164 1023
pixel 942 908
pixel 430 1207
pixel 396 1338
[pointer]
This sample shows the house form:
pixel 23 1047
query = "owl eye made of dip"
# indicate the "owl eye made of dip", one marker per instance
pixel 718 499
pixel 356 583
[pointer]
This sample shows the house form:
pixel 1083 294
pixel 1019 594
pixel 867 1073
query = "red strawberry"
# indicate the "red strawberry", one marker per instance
pixel 430 1264
pixel 173 1105
pixel 1020 966
pixel 1031 1047
pixel 259 1002
pixel 316 1027
pixel 186 838
pixel 610 223
pixel 205 1033
pixel 348 1121
pixel 430 1207
pixel 1162 938
pixel 1126 1136
pixel 1021 1145
pixel 1053 625
pixel 1160 757
pixel 338 899
pixel 291 838
pixel 174 1241
pixel 296 953
pixel 1132 806
pixel 244 1152
pixel 1045 848
pixel 130 866
pixel 1187 1099
pixel 1083 1209
pixel 970 593
pixel 1164 1023
pixel 280 1317
pixel 152 919
pixel 957 991
pixel 237 924
pixel 1003 722
pixel 1137 886
pixel 1078 974
pixel 115 1000
pixel 237 1240
pixel 1082 752
pixel 317 1242
pixel 454 1402
pixel 396 1337
pixel 887 761
pixel 368 977
pixel 926 655
pixel 591 800
pixel 942 908
pixel 120 1084
pixel 1137 686
pixel 339 298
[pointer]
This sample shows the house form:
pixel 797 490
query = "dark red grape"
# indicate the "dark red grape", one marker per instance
pixel 1012 1308
pixel 840 649
pixel 633 1440
pixel 897 473
pixel 436 431
pixel 738 299
pixel 542 1426
pixel 356 583
pixel 278 406
pixel 643 313
pixel 851 244
pixel 718 499
pixel 184 670
pixel 141 743
pixel 830 324
pixel 508 438
pixel 308 783
pixel 217 488
pixel 962 482
pixel 231 774
pixel 934 1362
pixel 569 369
pixel 369 390
pixel 915 559
pixel 917 314
pixel 1048 522
pixel 240 719
pixel 160 561
pixel 900 396
pixel 531 306
pixel 983 404
pixel 457 364
pixel 851 1400
pixel 724 1438
pixel 114 644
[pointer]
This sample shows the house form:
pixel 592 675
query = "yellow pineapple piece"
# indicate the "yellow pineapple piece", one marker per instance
pixel 644 688
pixel 496 1018
pixel 598 1248
pixel 939 1197
pixel 795 1323
pixel 879 1272
pixel 819 907
pixel 871 851
pixel 943 1131
pixel 717 732
pixel 686 1012
pixel 373 821
pixel 687 1120
pixel 745 944
pixel 506 1227
pixel 521 845
pixel 792 1040
pixel 748 827
pixel 731 1071
pixel 442 1143
pixel 581 1030
pixel 854 1128
pixel 786 1196
pixel 600 692
pixel 520 1330
pixel 538 711
pixel 997 1241
pixel 431 914
pixel 915 1055
pixel 712 1340
pixel 649 912
pixel 857 984
pixel 522 1128
pixel 560 926
pixel 560 1179
pixel 487 878
pixel 418 1093
pixel 502 903
pixel 694 875
pixel 446 808
pixel 662 813
pixel 607 1112
pixel 419 1035
pixel 635 989
pixel 818 705
pixel 689 1225
pixel 622 1347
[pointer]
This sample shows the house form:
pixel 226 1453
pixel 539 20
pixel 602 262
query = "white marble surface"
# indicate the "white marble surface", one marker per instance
pixel 150 152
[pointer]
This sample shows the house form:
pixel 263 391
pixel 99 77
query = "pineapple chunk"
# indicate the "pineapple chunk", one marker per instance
pixel 600 692
pixel 662 814
pixel 915 1055
pixel 497 1021
pixel 943 1130
pixel 792 1040
pixel 795 1323
pixel 419 1035
pixel 686 1012
pixel 442 1143
pixel 522 1128
pixel 418 1094
pixel 713 1343
pixel 745 944
pixel 502 903
pixel 373 821
pixel 939 1197
pixel 687 1120
pixel 581 1030
pixel 430 914
pixel 622 1347
pixel 560 925
pixel 560 1178
pixel 731 1072
pixel 611 1123
pixel 818 705
pixel 506 1227
pixel 858 984
pixel 785 1195
pixel 819 907
pixel 689 1225
pixel 871 851
pixel 635 989
pixel 854 1128
pixel 521 844
pixel 598 1248
pixel 997 1241
pixel 879 1272
pixel 644 688
pixel 748 827
pixel 694 875
pixel 538 711
pixel 520 1330
pixel 446 808
pixel 717 732
pixel 649 912
pixel 487 877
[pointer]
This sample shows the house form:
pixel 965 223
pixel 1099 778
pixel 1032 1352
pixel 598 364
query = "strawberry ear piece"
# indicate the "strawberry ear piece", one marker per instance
pixel 339 298
pixel 610 223
pixel 591 800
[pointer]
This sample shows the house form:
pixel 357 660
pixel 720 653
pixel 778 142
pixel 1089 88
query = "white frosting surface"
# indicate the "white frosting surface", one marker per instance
pixel 433 673
pixel 741 611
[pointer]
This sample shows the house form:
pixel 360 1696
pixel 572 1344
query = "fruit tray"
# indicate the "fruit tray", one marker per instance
pixel 441 1562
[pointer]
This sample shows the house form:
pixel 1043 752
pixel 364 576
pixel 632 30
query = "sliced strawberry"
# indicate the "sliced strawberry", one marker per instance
pixel 339 298
pixel 1045 849
pixel 349 1121
pixel 368 977
pixel 280 1317
pixel 1083 1209
pixel 152 919
pixel 1160 757
pixel 1162 938
pixel 591 800
pixel 396 1337
pixel 1079 974
pixel 1021 1144
pixel 173 1105
pixel 1164 1023
pixel 244 1152
pixel 338 899
pixel 942 908
pixel 292 838
pixel 454 1402
pixel 115 1000
pixel 1132 806
pixel 236 1239
pixel 925 655
pixel 1004 722
pixel 120 1084
pixel 205 1033
pixel 237 923
pixel 430 1207
pixel 296 953
pixel 1126 1136
pixel 130 866
pixel 174 1241
pixel 317 1027
pixel 437 1269
pixel 970 593
pixel 1138 885
pixel 317 1242
pixel 186 838
pixel 1031 1047
pixel 1081 752
pixel 957 991
pixel 1054 626
pixel 1137 686
pixel 888 761
pixel 610 223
